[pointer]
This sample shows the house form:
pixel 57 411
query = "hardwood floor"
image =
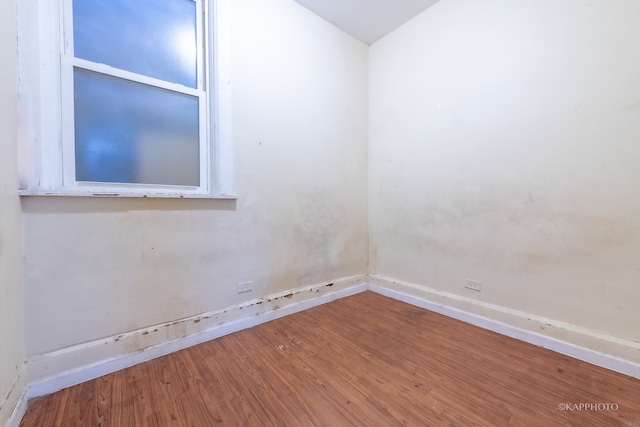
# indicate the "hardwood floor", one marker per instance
pixel 365 360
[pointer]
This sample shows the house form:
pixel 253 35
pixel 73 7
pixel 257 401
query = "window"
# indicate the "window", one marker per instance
pixel 139 110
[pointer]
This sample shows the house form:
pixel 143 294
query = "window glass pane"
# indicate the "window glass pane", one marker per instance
pixel 156 38
pixel 134 133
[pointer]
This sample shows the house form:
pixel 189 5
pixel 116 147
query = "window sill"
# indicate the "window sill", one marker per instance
pixel 124 194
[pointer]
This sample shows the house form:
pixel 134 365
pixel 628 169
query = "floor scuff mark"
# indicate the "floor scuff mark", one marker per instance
pixel 291 342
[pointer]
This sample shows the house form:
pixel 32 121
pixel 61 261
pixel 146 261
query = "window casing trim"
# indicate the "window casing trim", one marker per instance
pixel 44 64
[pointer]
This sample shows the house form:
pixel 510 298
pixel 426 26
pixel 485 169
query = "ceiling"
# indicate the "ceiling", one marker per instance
pixel 367 20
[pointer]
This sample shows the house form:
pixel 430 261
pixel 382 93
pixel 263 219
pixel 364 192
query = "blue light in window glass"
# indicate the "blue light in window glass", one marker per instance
pixel 129 132
pixel 156 38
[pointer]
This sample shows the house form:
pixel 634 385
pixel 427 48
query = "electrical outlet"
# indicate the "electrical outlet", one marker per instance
pixel 245 287
pixel 473 285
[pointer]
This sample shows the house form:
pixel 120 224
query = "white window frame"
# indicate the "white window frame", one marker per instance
pixel 46 61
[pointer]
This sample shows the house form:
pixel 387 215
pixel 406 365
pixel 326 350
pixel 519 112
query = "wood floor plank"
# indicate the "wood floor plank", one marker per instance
pixel 364 360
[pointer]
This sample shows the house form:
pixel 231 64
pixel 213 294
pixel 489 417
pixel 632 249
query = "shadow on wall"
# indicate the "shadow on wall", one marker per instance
pixel 63 205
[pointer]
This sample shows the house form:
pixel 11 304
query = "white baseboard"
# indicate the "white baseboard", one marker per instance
pixel 51 372
pixel 589 346
pixel 15 405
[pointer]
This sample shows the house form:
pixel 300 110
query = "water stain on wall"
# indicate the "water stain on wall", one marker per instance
pixel 535 235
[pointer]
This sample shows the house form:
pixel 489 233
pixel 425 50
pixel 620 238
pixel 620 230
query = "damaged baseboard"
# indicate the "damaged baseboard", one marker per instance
pixel 13 407
pixel 50 372
pixel 53 371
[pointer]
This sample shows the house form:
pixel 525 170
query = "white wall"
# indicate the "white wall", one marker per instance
pixel 11 265
pixel 504 147
pixel 101 267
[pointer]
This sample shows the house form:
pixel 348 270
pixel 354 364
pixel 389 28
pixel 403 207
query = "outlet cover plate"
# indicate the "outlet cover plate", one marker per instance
pixel 474 285
pixel 244 287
